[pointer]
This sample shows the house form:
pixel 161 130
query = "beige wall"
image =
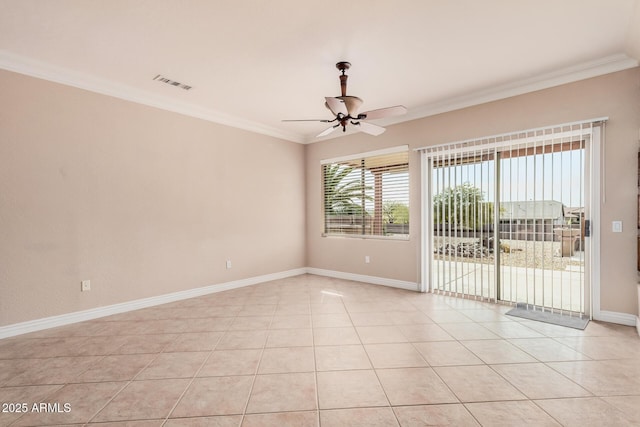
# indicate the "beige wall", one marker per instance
pixel 615 95
pixel 391 259
pixel 145 202
pixel 140 201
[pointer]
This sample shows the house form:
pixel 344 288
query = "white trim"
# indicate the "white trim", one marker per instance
pixel 423 224
pixel 396 237
pixel 594 186
pixel 616 317
pixel 391 150
pixel 586 70
pixel 30 67
pixel 373 280
pixel 94 313
pixel 426 243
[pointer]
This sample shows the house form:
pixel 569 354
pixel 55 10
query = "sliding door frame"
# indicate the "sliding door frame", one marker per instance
pixel 594 198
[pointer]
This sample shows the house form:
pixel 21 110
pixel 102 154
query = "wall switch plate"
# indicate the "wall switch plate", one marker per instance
pixel 616 226
pixel 85 285
pixel 228 264
pixel 367 260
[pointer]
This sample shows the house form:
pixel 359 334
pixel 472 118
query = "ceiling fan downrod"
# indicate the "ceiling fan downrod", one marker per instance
pixel 343 66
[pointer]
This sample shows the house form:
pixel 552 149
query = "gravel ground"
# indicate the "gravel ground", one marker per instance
pixel 545 255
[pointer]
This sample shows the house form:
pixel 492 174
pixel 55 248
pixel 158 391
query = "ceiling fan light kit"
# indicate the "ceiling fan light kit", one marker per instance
pixel 345 109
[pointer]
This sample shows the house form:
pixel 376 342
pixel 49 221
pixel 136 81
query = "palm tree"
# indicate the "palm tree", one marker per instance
pixel 343 195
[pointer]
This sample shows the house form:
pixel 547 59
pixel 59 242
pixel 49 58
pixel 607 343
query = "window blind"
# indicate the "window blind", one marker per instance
pixel 367 195
pixel 505 216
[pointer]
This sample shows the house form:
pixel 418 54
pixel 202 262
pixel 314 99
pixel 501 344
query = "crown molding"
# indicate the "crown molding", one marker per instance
pixel 19 64
pixel 34 68
pixel 585 70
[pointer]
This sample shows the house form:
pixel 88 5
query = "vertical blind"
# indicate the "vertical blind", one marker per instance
pixel 367 194
pixel 505 216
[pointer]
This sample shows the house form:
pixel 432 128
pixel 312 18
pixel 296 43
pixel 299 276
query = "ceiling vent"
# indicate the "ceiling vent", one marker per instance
pixel 163 79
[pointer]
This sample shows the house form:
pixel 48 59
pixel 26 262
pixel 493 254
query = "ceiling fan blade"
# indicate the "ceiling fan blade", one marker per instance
pixel 309 120
pixel 336 105
pixel 327 131
pixel 398 110
pixel 369 128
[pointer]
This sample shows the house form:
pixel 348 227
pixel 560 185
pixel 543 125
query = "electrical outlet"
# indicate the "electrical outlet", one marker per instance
pixel 228 264
pixel 85 285
pixel 367 260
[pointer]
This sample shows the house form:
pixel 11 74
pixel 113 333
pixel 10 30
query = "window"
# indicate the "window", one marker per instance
pixel 367 194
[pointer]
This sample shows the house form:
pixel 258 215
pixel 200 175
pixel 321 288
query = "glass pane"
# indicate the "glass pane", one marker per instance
pixel 369 196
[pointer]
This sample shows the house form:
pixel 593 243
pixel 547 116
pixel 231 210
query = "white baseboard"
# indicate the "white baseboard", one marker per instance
pixel 615 317
pixel 95 313
pixel 638 324
pixel 393 283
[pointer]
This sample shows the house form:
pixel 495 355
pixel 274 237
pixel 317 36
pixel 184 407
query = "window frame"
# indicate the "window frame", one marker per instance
pixel 361 157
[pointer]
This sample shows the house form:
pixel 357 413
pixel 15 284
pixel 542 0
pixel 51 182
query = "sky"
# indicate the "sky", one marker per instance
pixel 551 176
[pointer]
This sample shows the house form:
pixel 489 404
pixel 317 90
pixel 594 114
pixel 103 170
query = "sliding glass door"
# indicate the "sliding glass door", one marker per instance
pixel 506 218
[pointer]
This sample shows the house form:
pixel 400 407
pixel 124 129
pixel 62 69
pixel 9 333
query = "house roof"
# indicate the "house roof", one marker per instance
pixel 538 209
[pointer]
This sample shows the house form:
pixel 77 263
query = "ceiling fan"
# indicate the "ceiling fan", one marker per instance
pixel 345 109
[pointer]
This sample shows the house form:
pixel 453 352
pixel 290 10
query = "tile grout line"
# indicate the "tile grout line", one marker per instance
pixel 195 375
pixel 436 372
pixel 255 375
pixel 126 385
pixel 528 399
pixel 493 367
pixel 102 357
pixel 375 372
pixel 315 363
pixel 465 404
pixel 68 383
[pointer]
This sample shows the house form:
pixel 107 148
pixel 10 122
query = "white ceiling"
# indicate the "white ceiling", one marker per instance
pixel 253 63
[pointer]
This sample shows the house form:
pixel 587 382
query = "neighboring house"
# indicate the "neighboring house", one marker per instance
pixel 574 215
pixel 531 220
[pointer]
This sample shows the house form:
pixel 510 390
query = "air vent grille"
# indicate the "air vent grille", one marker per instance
pixel 163 79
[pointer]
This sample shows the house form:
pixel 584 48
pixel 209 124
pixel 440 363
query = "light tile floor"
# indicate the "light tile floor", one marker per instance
pixel 310 351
